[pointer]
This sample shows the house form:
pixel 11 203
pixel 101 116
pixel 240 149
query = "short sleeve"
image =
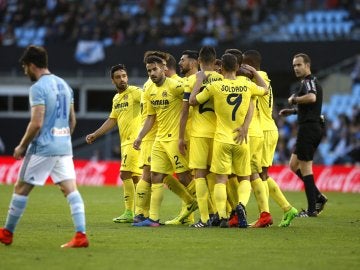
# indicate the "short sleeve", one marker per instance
pixel 36 96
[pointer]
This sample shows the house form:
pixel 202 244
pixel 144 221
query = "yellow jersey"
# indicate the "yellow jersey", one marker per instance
pixel 203 120
pixel 266 105
pixel 150 136
pixel 231 103
pixel 126 109
pixel 165 102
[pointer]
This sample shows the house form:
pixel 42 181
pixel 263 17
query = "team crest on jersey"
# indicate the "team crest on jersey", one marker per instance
pixel 164 94
pixel 126 97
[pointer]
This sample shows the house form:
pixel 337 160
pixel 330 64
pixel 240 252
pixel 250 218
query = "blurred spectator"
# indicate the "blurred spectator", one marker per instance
pixel 355 74
pixel 2 146
pixel 8 37
pixel 136 22
pixel 340 146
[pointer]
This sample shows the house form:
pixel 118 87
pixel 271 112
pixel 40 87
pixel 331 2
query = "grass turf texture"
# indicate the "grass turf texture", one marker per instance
pixel 331 241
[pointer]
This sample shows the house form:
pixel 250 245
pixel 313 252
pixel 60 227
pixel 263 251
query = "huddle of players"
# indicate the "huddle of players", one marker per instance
pixel 220 148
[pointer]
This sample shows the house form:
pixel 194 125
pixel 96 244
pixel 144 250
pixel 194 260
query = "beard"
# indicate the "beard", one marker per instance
pixel 155 79
pixel 121 86
pixel 183 71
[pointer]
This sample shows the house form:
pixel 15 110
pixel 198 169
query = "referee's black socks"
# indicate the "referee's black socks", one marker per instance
pixel 310 190
pixel 317 191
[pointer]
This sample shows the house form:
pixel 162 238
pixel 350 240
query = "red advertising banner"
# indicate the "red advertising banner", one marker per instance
pixel 101 173
pixel 327 178
pixel 88 173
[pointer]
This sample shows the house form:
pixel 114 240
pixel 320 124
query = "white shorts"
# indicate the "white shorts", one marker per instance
pixel 36 169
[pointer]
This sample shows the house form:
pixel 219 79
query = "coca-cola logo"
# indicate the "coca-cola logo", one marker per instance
pixel 9 172
pixel 286 179
pixel 92 174
pixel 334 178
pixel 339 179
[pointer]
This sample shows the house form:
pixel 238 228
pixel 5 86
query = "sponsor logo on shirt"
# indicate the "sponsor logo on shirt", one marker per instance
pixel 60 132
pixel 121 105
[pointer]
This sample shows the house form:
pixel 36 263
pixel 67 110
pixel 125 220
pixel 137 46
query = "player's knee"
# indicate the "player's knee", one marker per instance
pixel 125 175
pixel 293 167
pixel 22 188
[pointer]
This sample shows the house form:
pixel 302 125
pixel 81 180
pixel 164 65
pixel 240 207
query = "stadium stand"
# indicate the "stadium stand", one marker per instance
pixel 173 22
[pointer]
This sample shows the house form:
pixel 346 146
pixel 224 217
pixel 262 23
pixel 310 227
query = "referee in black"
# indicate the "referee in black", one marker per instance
pixel 308 99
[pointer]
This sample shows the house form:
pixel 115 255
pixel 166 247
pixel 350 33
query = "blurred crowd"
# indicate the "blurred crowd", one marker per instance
pixel 168 22
pixel 340 144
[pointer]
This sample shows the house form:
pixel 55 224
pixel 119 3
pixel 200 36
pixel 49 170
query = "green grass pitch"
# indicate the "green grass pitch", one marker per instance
pixel 331 241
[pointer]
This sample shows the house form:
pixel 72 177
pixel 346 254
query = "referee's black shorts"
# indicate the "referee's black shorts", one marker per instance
pixel 308 139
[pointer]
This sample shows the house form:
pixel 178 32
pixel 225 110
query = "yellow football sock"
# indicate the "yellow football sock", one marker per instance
pixel 228 207
pixel 244 191
pixel 157 196
pixel 231 189
pixel 277 195
pixel 220 199
pixel 175 186
pixel 211 207
pixel 260 195
pixel 129 194
pixel 191 187
pixel 265 183
pixel 142 197
pixel 202 195
pixel 211 181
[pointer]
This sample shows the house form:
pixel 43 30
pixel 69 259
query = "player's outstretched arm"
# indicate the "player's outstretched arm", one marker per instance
pixel 105 127
pixel 287 112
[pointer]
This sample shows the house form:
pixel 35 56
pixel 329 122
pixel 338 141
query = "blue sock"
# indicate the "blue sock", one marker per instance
pixel 77 210
pixel 16 209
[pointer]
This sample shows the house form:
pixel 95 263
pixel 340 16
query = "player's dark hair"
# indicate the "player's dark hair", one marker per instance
pixel 116 68
pixel 162 55
pixel 252 58
pixel 171 62
pixel 304 56
pixel 229 62
pixel 36 55
pixel 237 53
pixel 207 54
pixel 152 59
pixel 191 54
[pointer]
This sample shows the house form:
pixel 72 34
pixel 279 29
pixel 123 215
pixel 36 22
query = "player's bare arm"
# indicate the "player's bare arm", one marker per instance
pixel 258 79
pixel 305 99
pixel 242 131
pixel 33 128
pixel 72 119
pixel 106 126
pixel 200 77
pixel 149 122
pixel 183 119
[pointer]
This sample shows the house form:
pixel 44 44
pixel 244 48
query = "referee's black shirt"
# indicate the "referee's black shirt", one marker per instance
pixel 310 112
